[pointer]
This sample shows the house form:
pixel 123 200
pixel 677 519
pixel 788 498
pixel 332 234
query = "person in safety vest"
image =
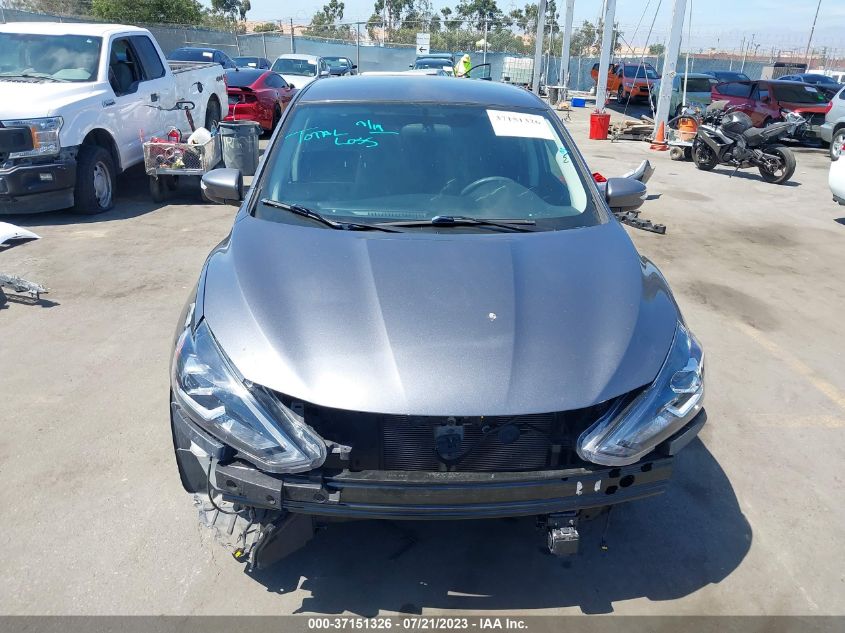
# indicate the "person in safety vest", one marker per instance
pixel 463 66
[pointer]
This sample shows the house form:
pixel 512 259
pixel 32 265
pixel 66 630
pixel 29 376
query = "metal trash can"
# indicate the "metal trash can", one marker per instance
pixel 239 143
pixel 554 94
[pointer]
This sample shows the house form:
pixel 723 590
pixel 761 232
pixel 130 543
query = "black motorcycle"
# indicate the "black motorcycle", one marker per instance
pixel 728 137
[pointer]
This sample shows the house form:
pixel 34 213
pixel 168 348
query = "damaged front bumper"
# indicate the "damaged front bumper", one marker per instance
pixel 380 494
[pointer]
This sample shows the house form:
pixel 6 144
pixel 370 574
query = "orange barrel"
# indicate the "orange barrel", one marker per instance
pixel 599 125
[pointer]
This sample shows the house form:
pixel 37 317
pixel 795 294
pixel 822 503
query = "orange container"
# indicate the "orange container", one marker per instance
pixel 599 125
pixel 687 127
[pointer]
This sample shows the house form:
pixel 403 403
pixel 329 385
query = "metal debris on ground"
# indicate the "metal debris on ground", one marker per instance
pixel 22 286
pixel 641 130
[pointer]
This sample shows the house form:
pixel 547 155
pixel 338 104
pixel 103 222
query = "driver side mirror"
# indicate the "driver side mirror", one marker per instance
pixel 624 194
pixel 223 186
pixel 324 73
pixel 354 66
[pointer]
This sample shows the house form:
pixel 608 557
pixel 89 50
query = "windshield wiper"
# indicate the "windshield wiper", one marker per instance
pixel 519 226
pixel 32 76
pixel 313 215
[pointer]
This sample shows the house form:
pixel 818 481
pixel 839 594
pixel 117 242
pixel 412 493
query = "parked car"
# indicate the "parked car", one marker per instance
pixel 78 102
pixel 836 178
pixel 470 335
pixel 192 54
pixel 833 129
pixel 764 101
pixel 826 85
pixel 630 81
pixel 258 95
pixel 698 87
pixel 728 75
pixel 300 70
pixel 438 63
pixel 252 62
pixel 340 66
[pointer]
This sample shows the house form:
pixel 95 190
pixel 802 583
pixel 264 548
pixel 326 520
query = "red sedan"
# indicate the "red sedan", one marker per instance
pixel 257 95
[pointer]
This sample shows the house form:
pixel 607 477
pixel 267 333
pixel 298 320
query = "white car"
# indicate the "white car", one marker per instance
pixel 836 179
pixel 79 100
pixel 300 70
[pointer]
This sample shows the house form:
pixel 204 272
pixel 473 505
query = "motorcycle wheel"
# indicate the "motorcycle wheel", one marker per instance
pixel 703 157
pixel 786 166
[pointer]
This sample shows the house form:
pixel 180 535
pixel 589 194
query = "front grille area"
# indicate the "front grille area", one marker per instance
pixel 460 444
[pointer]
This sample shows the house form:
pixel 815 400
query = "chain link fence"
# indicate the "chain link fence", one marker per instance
pixel 376 47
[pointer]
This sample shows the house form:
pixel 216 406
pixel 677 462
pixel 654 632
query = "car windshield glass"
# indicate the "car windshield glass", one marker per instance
pixel 431 63
pixel 191 55
pixel 379 162
pixel 301 67
pixel 697 84
pixel 728 76
pixel 820 79
pixel 246 61
pixel 49 57
pixel 336 62
pixel 798 93
pixel 241 78
pixel 640 72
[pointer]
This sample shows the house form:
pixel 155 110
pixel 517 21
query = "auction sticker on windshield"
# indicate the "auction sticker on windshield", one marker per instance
pixel 520 124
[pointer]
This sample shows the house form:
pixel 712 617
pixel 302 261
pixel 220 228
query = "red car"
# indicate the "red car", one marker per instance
pixel 763 101
pixel 257 95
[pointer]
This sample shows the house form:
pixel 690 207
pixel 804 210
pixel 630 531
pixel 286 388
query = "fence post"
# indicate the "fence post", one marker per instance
pixel 358 45
pixel 264 44
pixel 292 40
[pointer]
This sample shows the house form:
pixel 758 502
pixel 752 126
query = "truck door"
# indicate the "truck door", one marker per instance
pixel 158 84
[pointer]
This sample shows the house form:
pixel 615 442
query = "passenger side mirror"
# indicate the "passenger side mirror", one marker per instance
pixel 324 73
pixel 291 86
pixel 624 194
pixel 224 186
pixel 354 66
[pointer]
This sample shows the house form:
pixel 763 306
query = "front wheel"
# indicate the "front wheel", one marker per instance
pixel 95 180
pixel 704 158
pixel 620 96
pixel 778 165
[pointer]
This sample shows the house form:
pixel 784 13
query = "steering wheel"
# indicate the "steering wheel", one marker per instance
pixel 477 184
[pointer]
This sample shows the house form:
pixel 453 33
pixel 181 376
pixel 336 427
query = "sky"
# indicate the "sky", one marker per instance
pixel 782 24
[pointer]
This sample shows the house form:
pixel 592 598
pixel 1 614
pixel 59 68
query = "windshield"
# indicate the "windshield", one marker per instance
pixel 191 55
pixel 697 84
pixel 432 63
pixel 246 61
pixel 392 162
pixel 301 67
pixel 50 57
pixel 820 79
pixel 798 93
pixel 337 62
pixel 729 76
pixel 641 72
pixel 244 77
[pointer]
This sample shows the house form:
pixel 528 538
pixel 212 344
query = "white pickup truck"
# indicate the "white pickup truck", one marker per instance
pixel 79 100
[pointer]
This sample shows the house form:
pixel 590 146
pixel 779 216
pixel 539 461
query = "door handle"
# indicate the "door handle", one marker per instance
pixel 154 97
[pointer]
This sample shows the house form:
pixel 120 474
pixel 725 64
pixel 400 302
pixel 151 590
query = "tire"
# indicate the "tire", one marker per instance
pixel 703 157
pixel 620 96
pixel 212 114
pixel 676 153
pixel 277 116
pixel 788 165
pixel 836 144
pixel 95 180
pixel 157 189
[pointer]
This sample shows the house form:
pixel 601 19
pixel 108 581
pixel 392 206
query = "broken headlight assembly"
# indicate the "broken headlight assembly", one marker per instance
pixel 245 416
pixel 45 136
pixel 633 429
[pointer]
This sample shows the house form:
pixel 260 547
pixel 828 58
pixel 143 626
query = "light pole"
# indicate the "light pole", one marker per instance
pixel 538 47
pixel 810 41
pixel 606 52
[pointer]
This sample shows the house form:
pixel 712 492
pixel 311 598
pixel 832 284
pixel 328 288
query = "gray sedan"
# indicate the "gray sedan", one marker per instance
pixel 426 310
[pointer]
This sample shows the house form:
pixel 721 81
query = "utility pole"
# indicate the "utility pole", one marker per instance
pixel 673 48
pixel 292 41
pixel 745 52
pixel 538 47
pixel 485 39
pixel 358 45
pixel 606 51
pixel 563 75
pixel 812 30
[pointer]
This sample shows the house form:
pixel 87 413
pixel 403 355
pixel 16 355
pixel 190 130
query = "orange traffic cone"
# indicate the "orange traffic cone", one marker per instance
pixel 659 143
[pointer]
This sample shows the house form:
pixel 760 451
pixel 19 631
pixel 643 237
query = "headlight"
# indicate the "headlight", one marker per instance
pixel 246 417
pixel 628 432
pixel 45 136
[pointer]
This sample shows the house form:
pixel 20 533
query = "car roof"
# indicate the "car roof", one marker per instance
pixel 415 88
pixel 695 75
pixel 310 58
pixel 204 49
pixel 69 28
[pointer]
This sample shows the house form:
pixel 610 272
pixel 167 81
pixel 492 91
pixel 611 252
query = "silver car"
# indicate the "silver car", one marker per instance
pixel 426 310
pixel 833 129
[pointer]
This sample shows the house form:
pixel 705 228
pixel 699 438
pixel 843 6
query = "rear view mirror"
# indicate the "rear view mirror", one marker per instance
pixel 624 194
pixel 224 186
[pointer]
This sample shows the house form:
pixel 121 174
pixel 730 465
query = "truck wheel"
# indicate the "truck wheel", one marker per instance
pixel 620 96
pixel 212 114
pixel 95 180
pixel 836 144
pixel 157 191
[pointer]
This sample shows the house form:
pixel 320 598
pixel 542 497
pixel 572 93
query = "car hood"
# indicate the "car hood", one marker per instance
pixel 300 81
pixel 439 324
pixel 29 100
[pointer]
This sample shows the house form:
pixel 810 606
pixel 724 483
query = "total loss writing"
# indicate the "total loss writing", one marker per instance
pixel 342 138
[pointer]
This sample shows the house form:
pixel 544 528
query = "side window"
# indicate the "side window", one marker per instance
pixel 124 70
pixel 148 56
pixel 762 91
pixel 274 81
